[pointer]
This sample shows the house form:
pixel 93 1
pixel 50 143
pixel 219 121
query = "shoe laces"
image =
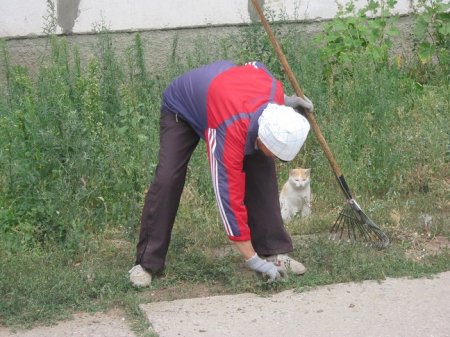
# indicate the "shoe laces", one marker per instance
pixel 281 260
pixel 284 259
pixel 137 269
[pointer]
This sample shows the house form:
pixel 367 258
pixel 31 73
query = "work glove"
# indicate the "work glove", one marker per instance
pixel 298 103
pixel 267 269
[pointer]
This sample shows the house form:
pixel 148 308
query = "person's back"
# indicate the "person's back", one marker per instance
pixel 221 93
pixel 187 94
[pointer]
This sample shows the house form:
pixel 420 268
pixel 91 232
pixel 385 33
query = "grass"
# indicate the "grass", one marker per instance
pixel 79 146
pixel 42 288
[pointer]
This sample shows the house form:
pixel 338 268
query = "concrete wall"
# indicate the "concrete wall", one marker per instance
pixel 30 50
pixel 32 17
pixel 158 44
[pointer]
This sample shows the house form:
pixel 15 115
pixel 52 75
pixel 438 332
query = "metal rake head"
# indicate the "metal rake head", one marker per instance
pixel 354 225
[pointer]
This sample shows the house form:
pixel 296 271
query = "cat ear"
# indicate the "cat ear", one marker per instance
pixel 308 171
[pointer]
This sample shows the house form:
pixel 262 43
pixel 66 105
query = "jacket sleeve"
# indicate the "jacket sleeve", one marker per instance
pixel 226 159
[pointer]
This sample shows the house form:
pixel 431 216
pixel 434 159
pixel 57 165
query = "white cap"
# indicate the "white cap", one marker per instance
pixel 282 130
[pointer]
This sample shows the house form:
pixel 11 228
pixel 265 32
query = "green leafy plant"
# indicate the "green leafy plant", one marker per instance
pixel 432 31
pixel 353 32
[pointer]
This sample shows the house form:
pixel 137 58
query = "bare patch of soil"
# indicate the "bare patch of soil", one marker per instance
pixel 423 246
pixel 113 324
pixel 188 290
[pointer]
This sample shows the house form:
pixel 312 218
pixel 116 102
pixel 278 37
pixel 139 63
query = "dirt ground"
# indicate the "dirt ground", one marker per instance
pixel 111 324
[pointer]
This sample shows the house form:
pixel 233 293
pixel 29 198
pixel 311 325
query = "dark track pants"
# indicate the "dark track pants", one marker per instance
pixel 177 143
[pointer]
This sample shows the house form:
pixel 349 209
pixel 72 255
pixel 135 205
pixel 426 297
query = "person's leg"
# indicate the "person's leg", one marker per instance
pixel 177 142
pixel 269 237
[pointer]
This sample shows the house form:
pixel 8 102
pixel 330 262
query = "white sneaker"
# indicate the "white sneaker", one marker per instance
pixel 139 277
pixel 287 264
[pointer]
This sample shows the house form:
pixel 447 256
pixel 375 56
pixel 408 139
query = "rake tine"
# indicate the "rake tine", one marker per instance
pixel 353 223
pixel 351 230
pixel 337 225
pixel 369 227
pixel 365 233
pixel 357 226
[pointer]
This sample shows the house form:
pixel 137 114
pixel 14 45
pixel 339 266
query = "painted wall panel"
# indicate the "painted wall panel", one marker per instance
pixel 25 17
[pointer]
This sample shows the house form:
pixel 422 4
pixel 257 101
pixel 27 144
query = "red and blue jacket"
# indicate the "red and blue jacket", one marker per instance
pixel 222 102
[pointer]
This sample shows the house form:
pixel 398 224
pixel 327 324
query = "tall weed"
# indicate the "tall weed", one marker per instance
pixel 72 167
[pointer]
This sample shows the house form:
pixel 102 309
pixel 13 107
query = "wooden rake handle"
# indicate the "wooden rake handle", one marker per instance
pixel 299 92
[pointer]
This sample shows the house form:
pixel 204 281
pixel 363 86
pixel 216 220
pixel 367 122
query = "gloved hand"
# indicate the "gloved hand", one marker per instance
pixel 298 103
pixel 268 269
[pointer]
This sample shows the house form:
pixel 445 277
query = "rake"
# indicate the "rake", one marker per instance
pixel 352 223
